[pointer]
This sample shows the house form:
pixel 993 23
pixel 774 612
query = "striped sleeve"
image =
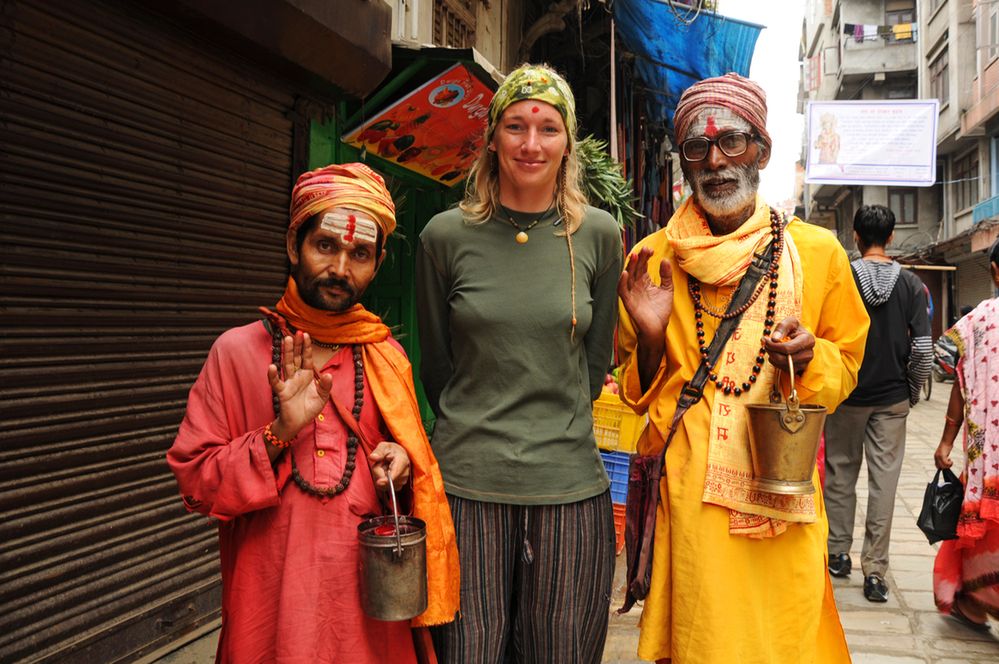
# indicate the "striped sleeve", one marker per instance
pixel 920 343
pixel 920 362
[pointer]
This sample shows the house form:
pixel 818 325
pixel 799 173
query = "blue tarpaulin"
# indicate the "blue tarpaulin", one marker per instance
pixel 670 56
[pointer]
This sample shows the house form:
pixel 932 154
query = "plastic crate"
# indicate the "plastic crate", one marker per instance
pixel 616 464
pixel 615 425
pixel 619 519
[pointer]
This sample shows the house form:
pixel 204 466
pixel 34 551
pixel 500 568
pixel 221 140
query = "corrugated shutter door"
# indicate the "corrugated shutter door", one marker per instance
pixel 974 281
pixel 144 192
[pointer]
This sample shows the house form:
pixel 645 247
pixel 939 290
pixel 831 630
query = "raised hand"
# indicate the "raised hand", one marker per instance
pixel 301 394
pixel 649 305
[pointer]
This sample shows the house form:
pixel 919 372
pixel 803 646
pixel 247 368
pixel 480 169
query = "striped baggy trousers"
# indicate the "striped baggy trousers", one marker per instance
pixel 535 583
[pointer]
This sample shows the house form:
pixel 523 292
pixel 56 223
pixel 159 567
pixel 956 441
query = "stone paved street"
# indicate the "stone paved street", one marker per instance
pixel 907 629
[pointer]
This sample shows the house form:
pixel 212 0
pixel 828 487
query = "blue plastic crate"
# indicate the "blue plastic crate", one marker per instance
pixel 616 464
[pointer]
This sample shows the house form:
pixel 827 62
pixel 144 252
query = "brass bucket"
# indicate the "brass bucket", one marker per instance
pixel 393 565
pixel 784 441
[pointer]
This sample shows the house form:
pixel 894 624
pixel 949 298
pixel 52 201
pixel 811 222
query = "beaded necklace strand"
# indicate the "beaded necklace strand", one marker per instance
pixel 352 442
pixel 725 383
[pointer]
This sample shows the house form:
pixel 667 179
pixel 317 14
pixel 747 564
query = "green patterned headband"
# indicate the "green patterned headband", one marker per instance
pixel 534 82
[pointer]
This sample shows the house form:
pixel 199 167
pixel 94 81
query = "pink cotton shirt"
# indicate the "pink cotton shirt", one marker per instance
pixel 289 560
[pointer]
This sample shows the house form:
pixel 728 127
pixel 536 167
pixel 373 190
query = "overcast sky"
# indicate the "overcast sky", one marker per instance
pixel 775 67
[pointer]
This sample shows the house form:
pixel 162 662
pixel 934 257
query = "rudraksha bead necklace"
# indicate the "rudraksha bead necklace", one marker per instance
pixel 352 442
pixel 725 384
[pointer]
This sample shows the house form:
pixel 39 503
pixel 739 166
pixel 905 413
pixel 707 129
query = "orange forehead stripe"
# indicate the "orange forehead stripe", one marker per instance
pixel 711 130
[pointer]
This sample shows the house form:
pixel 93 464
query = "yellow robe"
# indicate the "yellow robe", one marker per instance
pixel 724 598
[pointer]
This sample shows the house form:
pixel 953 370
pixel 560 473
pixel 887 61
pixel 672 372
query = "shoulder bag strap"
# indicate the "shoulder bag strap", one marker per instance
pixel 693 390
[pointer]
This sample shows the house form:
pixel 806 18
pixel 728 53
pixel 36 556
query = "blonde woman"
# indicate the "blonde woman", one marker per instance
pixel 517 307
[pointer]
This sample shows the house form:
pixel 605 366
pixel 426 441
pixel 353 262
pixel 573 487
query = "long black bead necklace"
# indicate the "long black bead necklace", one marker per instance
pixel 352 442
pixel 725 384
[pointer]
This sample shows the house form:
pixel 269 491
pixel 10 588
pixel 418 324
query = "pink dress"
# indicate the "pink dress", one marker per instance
pixel 289 560
pixel 969 565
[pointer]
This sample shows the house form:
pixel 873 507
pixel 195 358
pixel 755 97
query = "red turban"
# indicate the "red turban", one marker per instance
pixel 740 95
pixel 353 186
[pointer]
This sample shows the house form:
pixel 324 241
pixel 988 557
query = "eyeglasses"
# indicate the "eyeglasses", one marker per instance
pixel 732 144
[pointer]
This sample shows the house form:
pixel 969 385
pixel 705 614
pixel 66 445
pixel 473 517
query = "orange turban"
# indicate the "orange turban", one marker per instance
pixel 353 186
pixel 737 93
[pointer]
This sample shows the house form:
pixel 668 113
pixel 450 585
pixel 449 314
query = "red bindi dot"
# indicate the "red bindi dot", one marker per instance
pixel 535 110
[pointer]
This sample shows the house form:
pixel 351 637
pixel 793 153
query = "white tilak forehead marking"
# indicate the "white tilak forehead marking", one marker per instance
pixel 350 225
pixel 724 120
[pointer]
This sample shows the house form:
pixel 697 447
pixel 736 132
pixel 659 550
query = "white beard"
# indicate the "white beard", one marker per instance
pixel 748 179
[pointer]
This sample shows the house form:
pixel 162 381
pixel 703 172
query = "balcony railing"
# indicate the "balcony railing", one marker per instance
pixel 987 209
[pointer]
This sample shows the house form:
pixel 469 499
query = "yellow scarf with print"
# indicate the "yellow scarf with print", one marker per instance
pixel 721 261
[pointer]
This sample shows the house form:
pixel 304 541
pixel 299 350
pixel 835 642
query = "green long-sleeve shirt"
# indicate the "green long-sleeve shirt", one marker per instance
pixel 511 390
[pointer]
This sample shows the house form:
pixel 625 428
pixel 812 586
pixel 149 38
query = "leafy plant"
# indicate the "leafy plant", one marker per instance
pixel 603 183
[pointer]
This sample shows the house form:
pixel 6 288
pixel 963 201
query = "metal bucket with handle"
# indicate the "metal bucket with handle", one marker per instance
pixel 784 441
pixel 393 567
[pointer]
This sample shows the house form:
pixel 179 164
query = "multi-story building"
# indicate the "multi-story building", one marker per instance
pixel 843 63
pixel 960 66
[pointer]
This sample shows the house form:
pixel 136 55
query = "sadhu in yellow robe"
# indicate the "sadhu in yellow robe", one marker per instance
pixel 729 585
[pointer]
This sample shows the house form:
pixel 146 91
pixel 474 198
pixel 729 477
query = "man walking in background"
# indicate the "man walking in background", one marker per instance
pixel 871 421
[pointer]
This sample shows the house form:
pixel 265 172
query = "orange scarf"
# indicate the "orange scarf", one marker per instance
pixel 390 376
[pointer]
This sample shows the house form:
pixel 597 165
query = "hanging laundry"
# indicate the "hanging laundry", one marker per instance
pixel 902 31
pixel 870 32
pixel 858 33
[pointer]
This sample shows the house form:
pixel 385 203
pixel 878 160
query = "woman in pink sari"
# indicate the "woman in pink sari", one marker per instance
pixel 966 572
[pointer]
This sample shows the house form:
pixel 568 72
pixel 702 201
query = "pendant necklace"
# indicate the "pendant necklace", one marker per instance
pixel 521 237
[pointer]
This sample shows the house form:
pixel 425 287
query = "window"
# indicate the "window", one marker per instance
pixel 830 60
pixel 994 164
pixel 404 20
pixel 993 43
pixel 939 79
pixel 966 181
pixel 903 203
pixel 939 186
pixel 454 23
pixel 900 12
pixel 901 90
pixel 813 73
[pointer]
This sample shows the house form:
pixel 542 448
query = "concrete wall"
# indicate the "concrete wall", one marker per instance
pixel 498 32
pixel 498 27
pixel 951 27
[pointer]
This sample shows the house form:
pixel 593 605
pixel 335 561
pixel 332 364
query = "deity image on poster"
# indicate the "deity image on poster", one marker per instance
pixel 827 142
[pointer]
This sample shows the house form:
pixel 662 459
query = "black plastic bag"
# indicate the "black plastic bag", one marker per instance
pixel 941 507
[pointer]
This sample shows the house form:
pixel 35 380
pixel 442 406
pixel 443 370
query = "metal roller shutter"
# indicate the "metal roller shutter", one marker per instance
pixel 974 281
pixel 143 191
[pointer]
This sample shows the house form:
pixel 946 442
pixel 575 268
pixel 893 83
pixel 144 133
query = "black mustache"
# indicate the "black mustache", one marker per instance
pixel 333 282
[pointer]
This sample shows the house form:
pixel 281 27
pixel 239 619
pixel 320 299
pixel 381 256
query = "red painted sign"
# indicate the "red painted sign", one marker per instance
pixel 436 130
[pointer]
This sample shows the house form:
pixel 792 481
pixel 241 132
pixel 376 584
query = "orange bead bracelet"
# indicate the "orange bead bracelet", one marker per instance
pixel 271 439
